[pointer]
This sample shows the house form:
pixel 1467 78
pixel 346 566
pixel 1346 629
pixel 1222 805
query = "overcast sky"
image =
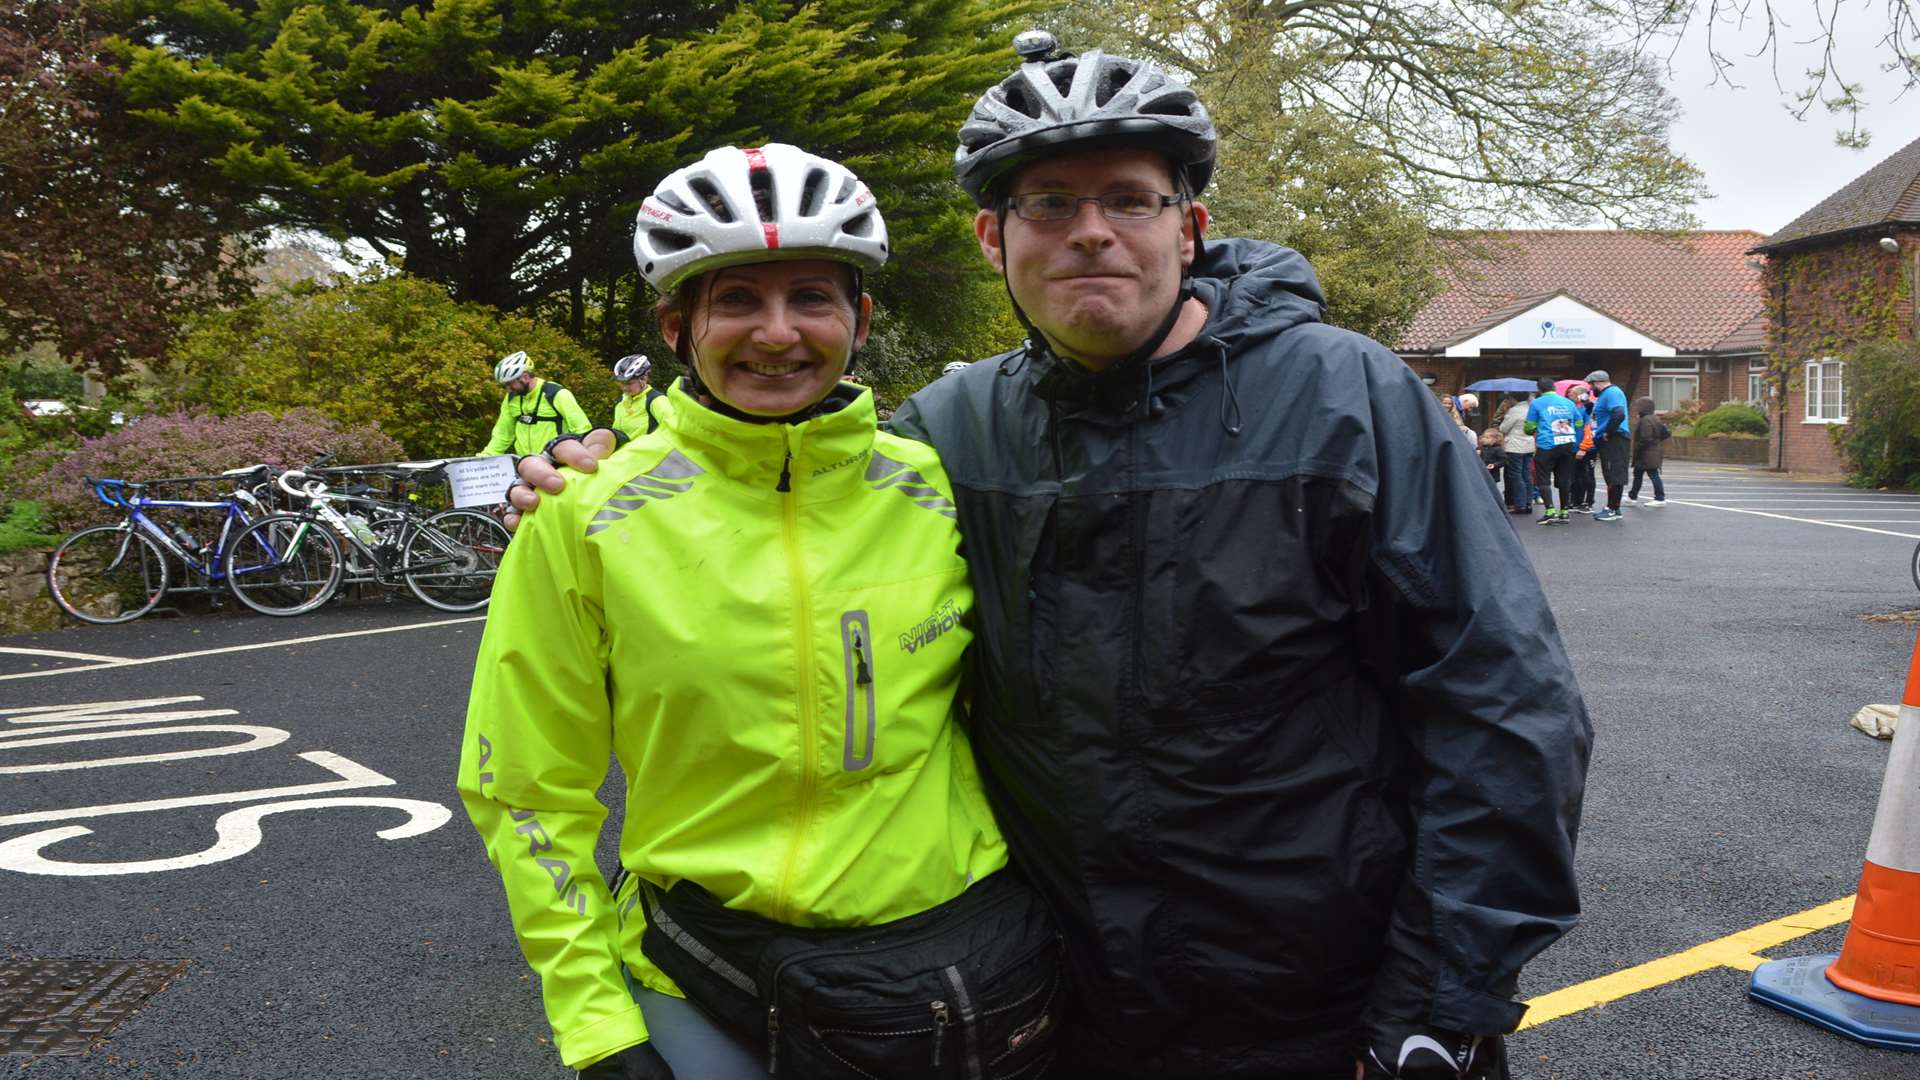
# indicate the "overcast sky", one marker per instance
pixel 1764 167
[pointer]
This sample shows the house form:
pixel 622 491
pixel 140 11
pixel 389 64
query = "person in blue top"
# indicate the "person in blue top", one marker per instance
pixel 1608 439
pixel 1555 424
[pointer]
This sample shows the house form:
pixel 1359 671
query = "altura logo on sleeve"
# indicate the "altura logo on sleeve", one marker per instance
pixel 928 630
pixel 673 476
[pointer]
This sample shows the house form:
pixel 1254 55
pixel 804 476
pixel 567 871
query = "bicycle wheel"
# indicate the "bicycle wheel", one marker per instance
pixel 449 562
pixel 107 574
pixel 1916 566
pixel 284 565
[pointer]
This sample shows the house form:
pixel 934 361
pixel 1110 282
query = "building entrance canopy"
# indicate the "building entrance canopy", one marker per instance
pixel 1559 325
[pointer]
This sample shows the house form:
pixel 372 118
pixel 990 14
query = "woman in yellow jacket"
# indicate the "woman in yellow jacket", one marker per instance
pixel 760 609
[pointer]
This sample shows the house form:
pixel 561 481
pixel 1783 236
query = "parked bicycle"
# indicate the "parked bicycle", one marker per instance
pixel 116 573
pixel 289 564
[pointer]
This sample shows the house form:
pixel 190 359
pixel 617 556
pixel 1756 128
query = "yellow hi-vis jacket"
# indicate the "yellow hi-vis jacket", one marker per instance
pixel 529 421
pixel 765 624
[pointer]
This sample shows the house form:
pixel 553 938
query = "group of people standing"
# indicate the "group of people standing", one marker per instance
pixel 536 411
pixel 1546 446
pixel 1128 704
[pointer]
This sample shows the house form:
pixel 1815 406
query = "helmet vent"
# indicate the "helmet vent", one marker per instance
pixel 813 192
pixel 667 241
pixel 859 226
pixel 1111 80
pixel 761 181
pixel 847 187
pixel 709 194
pixel 1062 75
pixel 1018 101
pixel 674 202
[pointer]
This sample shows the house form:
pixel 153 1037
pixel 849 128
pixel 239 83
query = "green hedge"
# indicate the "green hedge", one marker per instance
pixel 1733 418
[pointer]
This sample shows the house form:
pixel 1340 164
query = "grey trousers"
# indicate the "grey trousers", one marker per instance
pixel 696 1047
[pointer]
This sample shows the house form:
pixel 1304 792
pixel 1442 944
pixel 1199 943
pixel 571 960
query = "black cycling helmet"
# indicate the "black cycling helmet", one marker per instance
pixel 1057 101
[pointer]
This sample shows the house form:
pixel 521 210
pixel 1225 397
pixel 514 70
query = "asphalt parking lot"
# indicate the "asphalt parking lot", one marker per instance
pixel 267 806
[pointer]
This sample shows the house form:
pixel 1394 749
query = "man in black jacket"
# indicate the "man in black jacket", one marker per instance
pixel 1270 705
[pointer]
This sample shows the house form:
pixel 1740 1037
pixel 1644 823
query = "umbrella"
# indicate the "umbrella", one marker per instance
pixel 1505 386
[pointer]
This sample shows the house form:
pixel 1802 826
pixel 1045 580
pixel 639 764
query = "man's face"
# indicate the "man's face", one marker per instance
pixel 634 387
pixel 1096 287
pixel 520 385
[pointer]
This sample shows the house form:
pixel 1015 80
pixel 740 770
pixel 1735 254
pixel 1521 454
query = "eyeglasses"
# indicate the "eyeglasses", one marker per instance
pixel 1116 205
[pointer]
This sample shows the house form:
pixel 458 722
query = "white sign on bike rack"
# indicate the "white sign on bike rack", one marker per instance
pixel 480 481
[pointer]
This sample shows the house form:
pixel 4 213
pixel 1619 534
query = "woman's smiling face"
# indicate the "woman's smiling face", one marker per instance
pixel 772 339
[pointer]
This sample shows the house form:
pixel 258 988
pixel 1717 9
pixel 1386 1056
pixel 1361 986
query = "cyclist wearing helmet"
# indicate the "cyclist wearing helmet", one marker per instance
pixel 534 411
pixel 635 413
pixel 1268 696
pixel 761 610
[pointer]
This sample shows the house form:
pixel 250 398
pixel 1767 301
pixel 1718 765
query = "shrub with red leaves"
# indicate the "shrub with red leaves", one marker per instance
pixel 185 444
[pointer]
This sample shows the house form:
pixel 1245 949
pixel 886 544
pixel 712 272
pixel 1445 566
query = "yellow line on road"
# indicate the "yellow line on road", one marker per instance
pixel 1739 951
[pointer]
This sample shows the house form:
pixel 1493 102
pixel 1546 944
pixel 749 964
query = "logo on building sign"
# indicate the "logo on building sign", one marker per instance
pixel 1561 334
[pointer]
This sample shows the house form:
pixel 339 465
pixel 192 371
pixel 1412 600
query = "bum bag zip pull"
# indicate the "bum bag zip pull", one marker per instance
pixel 773 1039
pixel 940 1021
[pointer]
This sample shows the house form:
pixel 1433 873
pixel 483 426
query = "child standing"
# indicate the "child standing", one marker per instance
pixel 1649 453
pixel 1493 455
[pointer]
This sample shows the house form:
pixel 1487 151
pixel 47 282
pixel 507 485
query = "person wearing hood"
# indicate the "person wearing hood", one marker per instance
pixel 1649 453
pixel 1266 694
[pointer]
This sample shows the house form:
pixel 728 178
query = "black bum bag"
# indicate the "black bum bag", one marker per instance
pixel 969 989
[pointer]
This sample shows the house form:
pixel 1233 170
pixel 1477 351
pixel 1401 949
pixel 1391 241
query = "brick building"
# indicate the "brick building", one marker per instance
pixel 1841 273
pixel 1673 316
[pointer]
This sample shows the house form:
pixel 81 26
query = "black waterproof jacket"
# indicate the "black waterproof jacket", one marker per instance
pixel 1266 691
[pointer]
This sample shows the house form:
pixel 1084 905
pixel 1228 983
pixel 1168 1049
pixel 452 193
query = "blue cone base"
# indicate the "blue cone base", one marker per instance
pixel 1799 986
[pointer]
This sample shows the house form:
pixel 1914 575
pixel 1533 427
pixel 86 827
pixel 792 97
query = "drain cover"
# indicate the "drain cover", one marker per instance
pixel 66 1006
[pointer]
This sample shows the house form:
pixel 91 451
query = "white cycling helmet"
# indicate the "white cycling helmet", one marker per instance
pixel 756 204
pixel 511 368
pixel 629 368
pixel 957 365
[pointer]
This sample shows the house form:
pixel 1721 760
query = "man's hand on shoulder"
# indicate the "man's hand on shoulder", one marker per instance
pixel 539 472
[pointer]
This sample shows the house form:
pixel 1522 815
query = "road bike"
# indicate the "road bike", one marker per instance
pixel 289 564
pixel 116 573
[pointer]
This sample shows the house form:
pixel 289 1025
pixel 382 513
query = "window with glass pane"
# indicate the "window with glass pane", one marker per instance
pixel 1670 390
pixel 1826 390
pixel 1756 387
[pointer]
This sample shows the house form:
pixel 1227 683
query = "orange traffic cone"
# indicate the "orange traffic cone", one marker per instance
pixel 1871 990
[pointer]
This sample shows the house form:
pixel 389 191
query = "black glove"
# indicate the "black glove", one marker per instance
pixel 641 1062
pixel 1434 1054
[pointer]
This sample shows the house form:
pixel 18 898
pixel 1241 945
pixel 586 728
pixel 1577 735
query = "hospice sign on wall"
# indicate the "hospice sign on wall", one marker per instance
pixel 1561 334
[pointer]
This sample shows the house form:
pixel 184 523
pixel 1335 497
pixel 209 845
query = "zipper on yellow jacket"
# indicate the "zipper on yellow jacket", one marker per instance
pixel 803 639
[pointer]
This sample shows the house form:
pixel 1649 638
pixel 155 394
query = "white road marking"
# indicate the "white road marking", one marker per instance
pixel 58 655
pixel 238 832
pixel 1786 517
pixel 258 738
pixel 353 775
pixel 136 662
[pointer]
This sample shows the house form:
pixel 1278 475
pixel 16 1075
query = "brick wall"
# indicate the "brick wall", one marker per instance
pixel 1821 304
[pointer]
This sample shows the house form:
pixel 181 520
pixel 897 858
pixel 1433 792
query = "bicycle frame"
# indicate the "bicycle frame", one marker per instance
pixel 113 493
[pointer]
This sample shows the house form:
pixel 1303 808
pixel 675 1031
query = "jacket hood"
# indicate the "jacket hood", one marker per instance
pixel 1643 406
pixel 1251 283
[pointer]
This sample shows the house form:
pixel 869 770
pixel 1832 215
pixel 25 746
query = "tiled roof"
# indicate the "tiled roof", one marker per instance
pixel 1691 290
pixel 1887 193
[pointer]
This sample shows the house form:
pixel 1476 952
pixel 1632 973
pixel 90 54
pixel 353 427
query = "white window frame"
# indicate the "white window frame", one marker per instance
pixel 1766 391
pixel 1757 363
pixel 1654 385
pixel 1818 401
pixel 1683 366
